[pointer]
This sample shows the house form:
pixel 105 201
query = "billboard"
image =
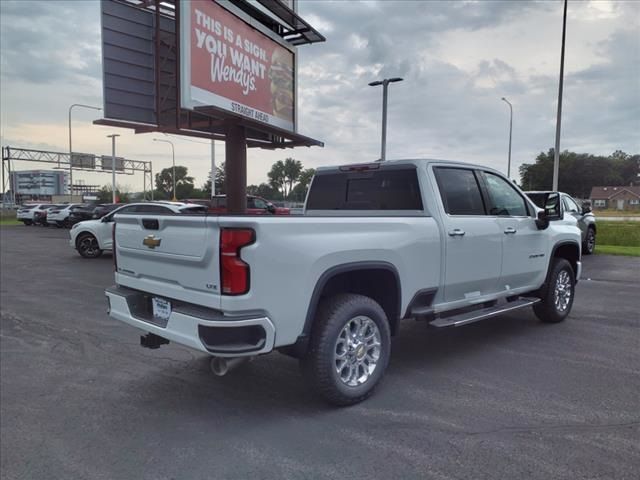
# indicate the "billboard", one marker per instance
pixel 106 163
pixel 40 182
pixel 229 64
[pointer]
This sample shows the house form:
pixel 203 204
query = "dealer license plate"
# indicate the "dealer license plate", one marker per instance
pixel 161 308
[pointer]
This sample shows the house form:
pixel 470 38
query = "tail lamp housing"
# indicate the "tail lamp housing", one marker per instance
pixel 234 272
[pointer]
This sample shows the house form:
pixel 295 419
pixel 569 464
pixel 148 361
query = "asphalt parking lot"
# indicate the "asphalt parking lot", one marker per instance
pixel 505 398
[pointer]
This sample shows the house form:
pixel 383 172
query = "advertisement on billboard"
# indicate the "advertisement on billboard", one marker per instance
pixel 228 64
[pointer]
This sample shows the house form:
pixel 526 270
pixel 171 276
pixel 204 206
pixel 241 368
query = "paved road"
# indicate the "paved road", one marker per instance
pixel 507 398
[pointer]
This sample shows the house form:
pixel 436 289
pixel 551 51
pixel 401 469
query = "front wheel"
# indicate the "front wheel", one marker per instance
pixel 349 349
pixel 557 295
pixel 589 244
pixel 27 222
pixel 87 246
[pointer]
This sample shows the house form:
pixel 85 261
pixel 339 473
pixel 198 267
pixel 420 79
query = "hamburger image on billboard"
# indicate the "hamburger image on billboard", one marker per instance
pixel 281 75
pixel 229 64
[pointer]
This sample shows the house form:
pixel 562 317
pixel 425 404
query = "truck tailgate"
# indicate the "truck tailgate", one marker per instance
pixel 175 256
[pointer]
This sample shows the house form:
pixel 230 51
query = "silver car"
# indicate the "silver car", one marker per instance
pixel 582 213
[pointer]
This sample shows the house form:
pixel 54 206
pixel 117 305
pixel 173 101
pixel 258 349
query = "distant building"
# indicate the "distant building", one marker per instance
pixel 617 198
pixel 39 184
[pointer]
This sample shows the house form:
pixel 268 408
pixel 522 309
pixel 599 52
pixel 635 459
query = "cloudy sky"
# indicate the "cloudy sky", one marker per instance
pixel 457 58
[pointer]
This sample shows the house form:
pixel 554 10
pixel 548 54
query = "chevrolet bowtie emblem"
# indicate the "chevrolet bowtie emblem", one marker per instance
pixel 151 241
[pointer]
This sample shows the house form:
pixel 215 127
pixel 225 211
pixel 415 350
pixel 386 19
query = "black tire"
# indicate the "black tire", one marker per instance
pixel 555 306
pixel 589 244
pixel 87 246
pixel 27 222
pixel 335 318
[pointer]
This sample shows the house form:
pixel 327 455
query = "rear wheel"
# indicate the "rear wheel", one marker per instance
pixel 27 222
pixel 557 295
pixel 589 244
pixel 349 349
pixel 87 246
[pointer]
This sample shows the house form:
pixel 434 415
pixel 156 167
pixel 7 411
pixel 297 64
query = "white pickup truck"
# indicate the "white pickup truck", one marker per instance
pixel 447 242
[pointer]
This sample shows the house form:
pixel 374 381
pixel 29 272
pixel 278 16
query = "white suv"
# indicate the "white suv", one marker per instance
pixel 26 213
pixel 91 237
pixel 60 216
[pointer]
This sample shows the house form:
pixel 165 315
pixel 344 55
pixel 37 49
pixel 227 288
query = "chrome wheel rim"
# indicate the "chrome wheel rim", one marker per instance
pixel 357 351
pixel 591 240
pixel 562 291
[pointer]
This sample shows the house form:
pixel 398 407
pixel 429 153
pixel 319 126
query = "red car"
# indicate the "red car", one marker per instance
pixel 255 206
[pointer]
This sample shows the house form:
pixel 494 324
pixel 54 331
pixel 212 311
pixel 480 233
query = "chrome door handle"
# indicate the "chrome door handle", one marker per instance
pixel 456 232
pixel 510 230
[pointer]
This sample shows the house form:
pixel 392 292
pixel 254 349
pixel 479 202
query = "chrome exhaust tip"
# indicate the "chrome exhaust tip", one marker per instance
pixel 220 366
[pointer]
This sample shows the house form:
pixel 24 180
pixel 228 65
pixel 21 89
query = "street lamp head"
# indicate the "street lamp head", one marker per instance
pixel 375 84
pixel 395 79
pixel 113 135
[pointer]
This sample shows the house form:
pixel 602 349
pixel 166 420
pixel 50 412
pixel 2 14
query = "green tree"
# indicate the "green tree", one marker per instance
pixel 299 192
pixel 292 170
pixel 277 178
pixel 221 187
pixel 184 183
pixel 263 190
pixel 579 172
pixel 122 194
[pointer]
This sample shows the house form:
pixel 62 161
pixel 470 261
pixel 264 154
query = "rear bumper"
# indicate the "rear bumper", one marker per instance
pixel 202 329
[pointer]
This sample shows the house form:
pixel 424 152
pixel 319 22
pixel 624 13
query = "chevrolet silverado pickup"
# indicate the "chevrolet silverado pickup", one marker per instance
pixel 445 242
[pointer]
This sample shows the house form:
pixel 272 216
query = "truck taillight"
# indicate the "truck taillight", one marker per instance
pixel 113 247
pixel 234 273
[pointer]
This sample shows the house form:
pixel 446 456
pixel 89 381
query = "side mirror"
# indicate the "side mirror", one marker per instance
pixel 271 208
pixel 586 209
pixel 542 222
pixel 552 207
pixel 105 219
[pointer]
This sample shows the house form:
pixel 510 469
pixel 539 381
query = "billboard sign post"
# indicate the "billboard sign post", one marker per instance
pixel 235 66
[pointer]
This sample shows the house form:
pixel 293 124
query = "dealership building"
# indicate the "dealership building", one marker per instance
pixel 39 184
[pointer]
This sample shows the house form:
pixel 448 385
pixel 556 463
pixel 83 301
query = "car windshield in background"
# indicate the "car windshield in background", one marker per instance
pixel 385 189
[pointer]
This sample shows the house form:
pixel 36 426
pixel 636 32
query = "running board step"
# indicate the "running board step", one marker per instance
pixel 477 315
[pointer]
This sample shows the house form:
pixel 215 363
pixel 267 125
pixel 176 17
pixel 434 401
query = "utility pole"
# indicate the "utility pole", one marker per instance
pixel 213 168
pixel 385 85
pixel 556 152
pixel 510 130
pixel 113 166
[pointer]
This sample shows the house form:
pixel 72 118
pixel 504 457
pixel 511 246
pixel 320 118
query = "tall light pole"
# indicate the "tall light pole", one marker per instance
pixel 510 130
pixel 556 152
pixel 71 148
pixel 385 85
pixel 213 168
pixel 113 166
pixel 173 155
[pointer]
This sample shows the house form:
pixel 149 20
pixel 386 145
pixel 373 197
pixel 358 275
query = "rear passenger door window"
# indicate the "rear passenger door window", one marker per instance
pixel 460 191
pixel 504 200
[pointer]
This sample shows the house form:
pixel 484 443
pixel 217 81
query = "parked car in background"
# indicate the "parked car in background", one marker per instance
pixel 582 213
pixel 40 216
pixel 80 213
pixel 59 215
pixel 91 237
pixel 26 213
pixel 255 206
pixel 102 209
pixel 206 202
